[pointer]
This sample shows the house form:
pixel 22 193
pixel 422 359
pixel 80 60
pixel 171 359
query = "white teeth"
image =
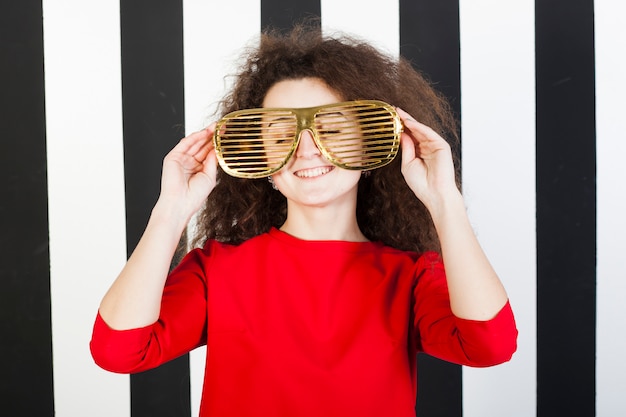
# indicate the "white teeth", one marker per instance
pixel 314 172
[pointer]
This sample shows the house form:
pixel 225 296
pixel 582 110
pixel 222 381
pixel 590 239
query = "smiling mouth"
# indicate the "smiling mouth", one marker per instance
pixel 313 172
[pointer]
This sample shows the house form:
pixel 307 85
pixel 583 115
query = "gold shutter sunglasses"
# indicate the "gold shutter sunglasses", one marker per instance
pixel 355 135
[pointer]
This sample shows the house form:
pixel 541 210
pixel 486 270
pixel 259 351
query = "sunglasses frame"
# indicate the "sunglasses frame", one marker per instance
pixel 305 120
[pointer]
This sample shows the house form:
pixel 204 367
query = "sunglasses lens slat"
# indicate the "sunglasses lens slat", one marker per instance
pixel 248 146
pixel 365 135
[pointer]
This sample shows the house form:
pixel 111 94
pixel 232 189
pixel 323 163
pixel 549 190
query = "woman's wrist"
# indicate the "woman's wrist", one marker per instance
pixel 444 204
pixel 171 214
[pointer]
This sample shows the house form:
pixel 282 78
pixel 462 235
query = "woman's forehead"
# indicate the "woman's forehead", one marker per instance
pixel 300 93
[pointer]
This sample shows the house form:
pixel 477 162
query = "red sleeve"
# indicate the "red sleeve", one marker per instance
pixel 180 328
pixel 441 334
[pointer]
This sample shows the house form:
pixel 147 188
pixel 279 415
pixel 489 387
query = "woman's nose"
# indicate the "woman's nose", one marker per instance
pixel 307 147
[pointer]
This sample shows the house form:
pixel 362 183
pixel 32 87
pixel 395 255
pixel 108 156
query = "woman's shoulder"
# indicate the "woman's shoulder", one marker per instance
pixel 214 246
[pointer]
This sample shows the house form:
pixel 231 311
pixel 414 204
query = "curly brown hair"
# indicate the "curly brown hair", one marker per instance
pixel 387 210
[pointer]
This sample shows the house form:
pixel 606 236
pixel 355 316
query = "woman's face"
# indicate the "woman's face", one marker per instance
pixel 308 178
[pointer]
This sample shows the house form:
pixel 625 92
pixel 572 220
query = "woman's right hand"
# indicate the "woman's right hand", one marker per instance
pixel 189 172
pixel 134 299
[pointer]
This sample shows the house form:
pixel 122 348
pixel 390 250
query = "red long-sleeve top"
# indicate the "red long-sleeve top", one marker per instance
pixel 307 328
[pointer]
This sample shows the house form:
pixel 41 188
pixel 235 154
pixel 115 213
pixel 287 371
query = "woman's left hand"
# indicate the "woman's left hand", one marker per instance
pixel 427 163
pixel 476 292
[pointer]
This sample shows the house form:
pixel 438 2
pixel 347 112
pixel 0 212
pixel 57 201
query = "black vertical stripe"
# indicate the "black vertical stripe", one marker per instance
pixel 153 118
pixel 566 208
pixel 430 39
pixel 26 383
pixel 282 14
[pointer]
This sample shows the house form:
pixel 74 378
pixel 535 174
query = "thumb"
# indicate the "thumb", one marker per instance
pixel 408 149
pixel 210 165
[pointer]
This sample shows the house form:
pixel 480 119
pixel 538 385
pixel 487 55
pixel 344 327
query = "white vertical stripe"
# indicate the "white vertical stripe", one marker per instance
pixel 370 20
pixel 498 123
pixel 611 224
pixel 86 195
pixel 215 34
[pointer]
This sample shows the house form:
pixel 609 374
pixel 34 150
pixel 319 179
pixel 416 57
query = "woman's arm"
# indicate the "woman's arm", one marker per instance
pixel 188 177
pixel 476 292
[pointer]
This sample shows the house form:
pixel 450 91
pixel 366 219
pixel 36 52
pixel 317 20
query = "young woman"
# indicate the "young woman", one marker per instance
pixel 315 286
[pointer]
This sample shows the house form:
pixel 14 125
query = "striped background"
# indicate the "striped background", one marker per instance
pixel 95 93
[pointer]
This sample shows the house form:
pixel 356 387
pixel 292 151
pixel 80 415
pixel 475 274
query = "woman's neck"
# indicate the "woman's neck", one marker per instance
pixel 321 223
